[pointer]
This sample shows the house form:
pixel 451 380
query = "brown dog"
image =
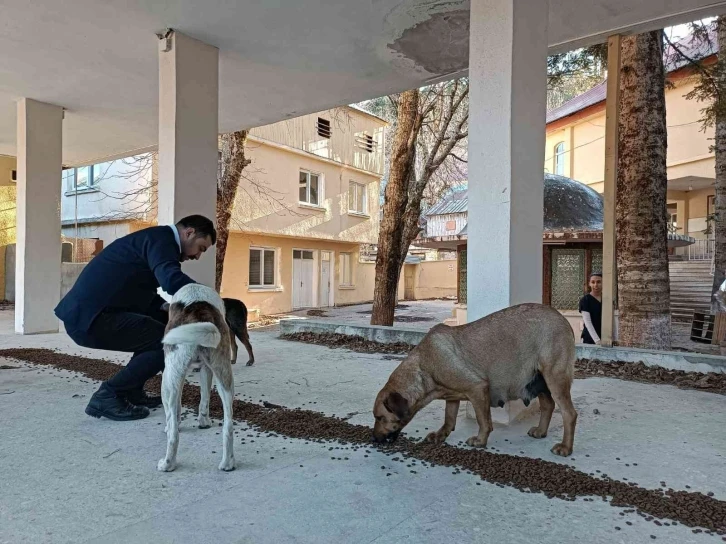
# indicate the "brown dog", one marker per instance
pixel 236 316
pixel 523 352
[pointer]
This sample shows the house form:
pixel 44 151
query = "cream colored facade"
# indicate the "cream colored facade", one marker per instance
pixel 690 161
pixel 291 248
pixel 310 246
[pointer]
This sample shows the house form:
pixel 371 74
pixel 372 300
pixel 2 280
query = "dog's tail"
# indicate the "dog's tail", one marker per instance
pixel 198 334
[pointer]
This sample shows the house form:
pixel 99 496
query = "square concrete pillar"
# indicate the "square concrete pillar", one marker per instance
pixel 507 109
pixel 38 252
pixel 188 129
pixel 609 257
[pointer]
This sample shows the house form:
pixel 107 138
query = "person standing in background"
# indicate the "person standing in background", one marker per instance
pixel 591 310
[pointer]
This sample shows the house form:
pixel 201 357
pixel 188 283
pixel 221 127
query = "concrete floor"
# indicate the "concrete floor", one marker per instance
pixel 69 478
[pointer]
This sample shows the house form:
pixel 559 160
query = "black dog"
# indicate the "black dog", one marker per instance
pixel 236 315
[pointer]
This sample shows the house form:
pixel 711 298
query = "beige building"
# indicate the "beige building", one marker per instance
pixel 575 147
pixel 305 204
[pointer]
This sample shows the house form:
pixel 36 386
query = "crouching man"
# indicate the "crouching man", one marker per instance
pixel 114 305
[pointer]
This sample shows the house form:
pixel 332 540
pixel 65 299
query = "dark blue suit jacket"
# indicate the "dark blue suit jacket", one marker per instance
pixel 125 277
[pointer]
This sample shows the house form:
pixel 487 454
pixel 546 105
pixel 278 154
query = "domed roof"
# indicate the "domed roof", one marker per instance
pixel 571 206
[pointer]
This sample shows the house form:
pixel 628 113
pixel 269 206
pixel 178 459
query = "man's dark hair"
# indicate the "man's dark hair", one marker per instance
pixel 596 275
pixel 202 226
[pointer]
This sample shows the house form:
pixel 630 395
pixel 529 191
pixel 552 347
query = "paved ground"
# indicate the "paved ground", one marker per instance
pixel 70 478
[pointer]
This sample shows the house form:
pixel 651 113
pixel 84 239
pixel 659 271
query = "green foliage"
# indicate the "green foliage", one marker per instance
pixel 710 87
pixel 573 73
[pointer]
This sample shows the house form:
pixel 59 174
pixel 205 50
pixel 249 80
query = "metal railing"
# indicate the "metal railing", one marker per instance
pixel 701 250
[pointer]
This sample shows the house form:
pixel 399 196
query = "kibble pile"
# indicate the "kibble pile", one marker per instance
pixel 526 474
pixel 584 368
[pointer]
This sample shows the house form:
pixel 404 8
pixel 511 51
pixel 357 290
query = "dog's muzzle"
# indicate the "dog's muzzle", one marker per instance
pixel 390 437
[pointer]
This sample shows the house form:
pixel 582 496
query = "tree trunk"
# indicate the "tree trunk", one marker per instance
pixel 719 220
pixel 642 239
pixel 233 162
pixel 388 259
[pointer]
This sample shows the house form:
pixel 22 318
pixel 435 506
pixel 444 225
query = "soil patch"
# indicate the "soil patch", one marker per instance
pixel 523 473
pixel 411 319
pixel 640 372
pixel 353 343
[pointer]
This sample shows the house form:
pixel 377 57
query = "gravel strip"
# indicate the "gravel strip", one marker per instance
pixel 523 473
pixel 584 368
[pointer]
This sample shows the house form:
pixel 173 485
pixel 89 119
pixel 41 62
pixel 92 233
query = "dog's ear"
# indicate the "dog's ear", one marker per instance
pixel 396 404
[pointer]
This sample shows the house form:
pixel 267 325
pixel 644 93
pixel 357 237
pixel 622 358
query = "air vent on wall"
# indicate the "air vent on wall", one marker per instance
pixel 323 126
pixel 365 141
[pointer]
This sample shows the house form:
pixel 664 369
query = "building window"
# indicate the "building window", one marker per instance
pixel 323 128
pixel 560 159
pixel 262 267
pixel 357 198
pixel 568 278
pixel 365 141
pixel 310 188
pixel 346 276
pixel 69 178
pixel 100 172
pixel 461 295
pixel 84 177
pixel 450 225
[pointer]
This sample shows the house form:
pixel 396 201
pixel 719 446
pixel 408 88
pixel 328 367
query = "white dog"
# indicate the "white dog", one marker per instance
pixel 197 333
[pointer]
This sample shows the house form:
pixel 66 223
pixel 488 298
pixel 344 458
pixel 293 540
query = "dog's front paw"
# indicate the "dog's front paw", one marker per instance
pixel 535 433
pixel 437 437
pixel 165 465
pixel 477 442
pixel 562 450
pixel 205 422
pixel 227 465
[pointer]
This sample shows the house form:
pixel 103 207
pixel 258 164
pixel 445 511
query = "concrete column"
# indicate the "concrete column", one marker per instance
pixel 507 108
pixel 682 215
pixel 188 129
pixel 38 256
pixel 609 262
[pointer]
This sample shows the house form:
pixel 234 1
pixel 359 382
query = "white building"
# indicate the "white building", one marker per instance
pixel 104 200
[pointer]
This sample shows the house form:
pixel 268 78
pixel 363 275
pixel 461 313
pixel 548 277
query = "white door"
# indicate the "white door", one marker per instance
pixel 302 278
pixel 325 279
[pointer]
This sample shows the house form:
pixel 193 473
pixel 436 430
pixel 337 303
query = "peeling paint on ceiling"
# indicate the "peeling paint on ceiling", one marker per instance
pixel 440 44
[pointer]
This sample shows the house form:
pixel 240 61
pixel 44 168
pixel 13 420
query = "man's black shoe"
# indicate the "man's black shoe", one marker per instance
pixel 141 398
pixel 105 403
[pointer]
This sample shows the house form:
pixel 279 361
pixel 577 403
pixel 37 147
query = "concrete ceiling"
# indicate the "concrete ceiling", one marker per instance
pixel 278 58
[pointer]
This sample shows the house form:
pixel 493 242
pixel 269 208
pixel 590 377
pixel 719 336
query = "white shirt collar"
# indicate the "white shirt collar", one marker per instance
pixel 176 236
